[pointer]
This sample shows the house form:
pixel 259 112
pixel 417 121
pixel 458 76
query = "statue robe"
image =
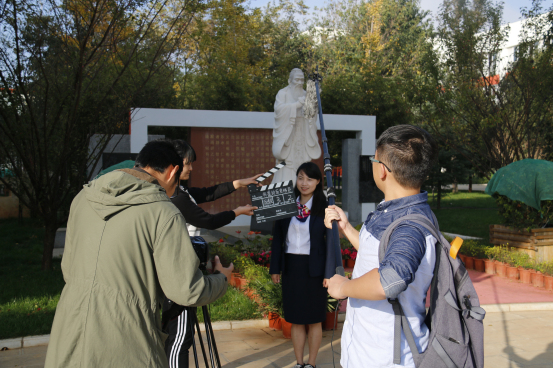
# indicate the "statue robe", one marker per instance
pixel 295 138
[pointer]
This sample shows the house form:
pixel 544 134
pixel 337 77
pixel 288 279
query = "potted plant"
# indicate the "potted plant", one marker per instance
pixel 479 258
pixel 469 250
pixel 270 298
pixel 331 307
pixel 492 254
pixel 548 276
pixel 537 276
pixel 352 256
pixel 525 269
pixel 512 268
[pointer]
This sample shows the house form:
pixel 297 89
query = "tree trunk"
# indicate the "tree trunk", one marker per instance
pixel 49 239
pixel 455 187
pixel 439 202
pixel 470 183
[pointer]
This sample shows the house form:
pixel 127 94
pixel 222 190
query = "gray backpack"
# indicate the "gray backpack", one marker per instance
pixel 455 318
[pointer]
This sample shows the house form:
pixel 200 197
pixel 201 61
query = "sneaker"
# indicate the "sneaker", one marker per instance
pixel 309 366
pixel 298 366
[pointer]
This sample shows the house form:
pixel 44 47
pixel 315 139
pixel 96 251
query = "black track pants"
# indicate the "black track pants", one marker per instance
pixel 180 339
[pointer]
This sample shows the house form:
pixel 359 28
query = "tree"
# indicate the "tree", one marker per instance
pixel 494 116
pixel 69 70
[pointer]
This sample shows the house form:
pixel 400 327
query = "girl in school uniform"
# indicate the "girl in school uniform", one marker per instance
pixel 299 253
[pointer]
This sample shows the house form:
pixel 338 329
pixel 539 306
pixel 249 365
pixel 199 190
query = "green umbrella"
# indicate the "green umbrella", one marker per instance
pixel 127 164
pixel 528 180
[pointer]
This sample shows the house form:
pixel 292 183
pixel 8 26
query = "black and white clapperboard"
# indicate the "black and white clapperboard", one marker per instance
pixel 274 201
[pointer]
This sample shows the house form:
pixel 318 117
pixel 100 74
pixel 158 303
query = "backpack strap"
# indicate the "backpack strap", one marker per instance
pixel 401 321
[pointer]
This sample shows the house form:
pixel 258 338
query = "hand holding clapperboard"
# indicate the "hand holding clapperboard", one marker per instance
pixel 274 201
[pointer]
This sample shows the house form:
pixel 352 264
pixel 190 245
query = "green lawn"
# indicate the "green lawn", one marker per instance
pixel 469 214
pixel 28 296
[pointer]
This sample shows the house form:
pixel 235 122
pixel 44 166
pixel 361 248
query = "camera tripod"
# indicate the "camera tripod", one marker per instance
pixel 210 337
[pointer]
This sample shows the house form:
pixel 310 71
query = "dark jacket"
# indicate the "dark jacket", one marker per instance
pixel 318 252
pixel 197 216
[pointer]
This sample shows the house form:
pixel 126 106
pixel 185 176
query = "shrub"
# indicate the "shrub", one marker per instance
pixel 227 253
pixel 518 215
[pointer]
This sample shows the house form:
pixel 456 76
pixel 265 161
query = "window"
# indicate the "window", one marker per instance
pixel 4 190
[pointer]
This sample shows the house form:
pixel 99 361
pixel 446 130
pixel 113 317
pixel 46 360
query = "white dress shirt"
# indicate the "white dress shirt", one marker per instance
pixel 298 240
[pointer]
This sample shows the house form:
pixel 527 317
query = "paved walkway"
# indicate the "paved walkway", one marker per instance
pixel 511 340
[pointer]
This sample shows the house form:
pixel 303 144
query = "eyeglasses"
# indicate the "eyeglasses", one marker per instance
pixel 371 158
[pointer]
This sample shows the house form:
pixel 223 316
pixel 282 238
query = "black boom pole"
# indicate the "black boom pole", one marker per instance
pixel 333 242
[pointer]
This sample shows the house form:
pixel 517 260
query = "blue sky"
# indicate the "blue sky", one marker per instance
pixel 511 10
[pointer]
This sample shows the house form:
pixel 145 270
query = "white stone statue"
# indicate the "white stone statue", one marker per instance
pixel 295 137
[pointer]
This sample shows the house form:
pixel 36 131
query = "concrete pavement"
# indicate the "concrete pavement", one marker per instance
pixel 511 339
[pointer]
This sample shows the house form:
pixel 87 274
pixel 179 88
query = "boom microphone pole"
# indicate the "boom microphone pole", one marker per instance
pixel 333 243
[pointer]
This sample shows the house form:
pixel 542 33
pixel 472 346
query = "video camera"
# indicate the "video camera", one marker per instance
pixel 202 250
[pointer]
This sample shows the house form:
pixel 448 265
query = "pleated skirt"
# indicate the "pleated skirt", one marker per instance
pixel 304 297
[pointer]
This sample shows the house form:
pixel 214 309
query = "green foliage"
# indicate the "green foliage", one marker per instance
pixel 331 304
pixel 242 263
pixel 234 305
pixel 227 253
pixel 28 295
pixel 517 215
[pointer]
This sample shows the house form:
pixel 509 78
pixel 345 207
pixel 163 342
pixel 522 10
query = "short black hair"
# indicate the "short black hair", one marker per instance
pixel 313 171
pixel 185 151
pixel 409 151
pixel 159 155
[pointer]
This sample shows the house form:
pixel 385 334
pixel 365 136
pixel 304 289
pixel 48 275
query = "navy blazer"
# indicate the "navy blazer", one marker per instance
pixel 318 252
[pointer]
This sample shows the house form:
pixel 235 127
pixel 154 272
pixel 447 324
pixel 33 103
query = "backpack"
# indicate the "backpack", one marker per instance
pixel 455 318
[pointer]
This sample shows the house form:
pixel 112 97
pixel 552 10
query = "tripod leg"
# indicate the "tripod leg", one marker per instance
pixel 207 318
pixel 201 342
pixel 192 320
pixel 208 335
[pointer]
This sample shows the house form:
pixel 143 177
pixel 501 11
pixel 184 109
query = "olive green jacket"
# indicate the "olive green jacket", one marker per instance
pixel 126 246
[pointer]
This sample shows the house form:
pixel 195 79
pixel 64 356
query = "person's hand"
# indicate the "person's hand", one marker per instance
pixel 239 183
pixel 334 286
pixel 246 210
pixel 335 213
pixel 301 102
pixel 325 282
pixel 275 278
pixel 222 269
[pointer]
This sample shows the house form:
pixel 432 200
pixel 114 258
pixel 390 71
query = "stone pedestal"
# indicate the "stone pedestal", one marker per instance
pixel 351 151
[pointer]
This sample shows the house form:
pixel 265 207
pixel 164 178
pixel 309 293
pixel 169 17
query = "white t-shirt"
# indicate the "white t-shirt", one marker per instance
pixel 368 333
pixel 298 240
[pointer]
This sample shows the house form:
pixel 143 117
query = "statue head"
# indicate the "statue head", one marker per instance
pixel 296 78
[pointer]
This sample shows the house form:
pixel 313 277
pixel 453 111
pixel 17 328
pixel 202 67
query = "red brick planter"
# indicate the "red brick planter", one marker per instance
pixel 489 266
pixel 548 282
pixel 537 279
pixel 479 265
pixel 525 276
pixel 501 269
pixel 469 262
pixel 512 273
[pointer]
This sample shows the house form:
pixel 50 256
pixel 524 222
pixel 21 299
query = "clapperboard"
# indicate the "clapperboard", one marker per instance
pixel 274 201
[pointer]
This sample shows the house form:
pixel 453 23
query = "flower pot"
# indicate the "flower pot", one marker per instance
pixel 537 279
pixel 525 276
pixel 463 258
pixel 275 321
pixel 286 328
pixel 512 273
pixel 548 282
pixel 489 266
pixel 328 324
pixel 479 265
pixel 344 263
pixel 350 263
pixel 243 283
pixel 501 269
pixel 469 262
pixel 268 265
